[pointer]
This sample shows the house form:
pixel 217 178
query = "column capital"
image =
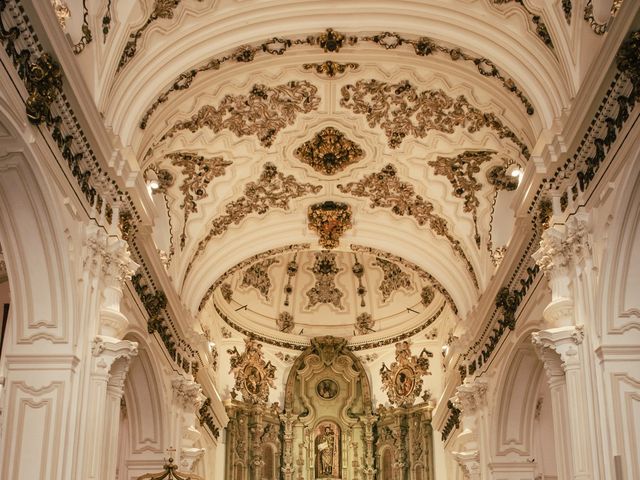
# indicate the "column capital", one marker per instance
pixel 469 461
pixel 558 348
pixel 106 350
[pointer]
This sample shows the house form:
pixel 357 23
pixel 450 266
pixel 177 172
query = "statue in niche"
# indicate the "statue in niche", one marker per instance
pixel 327 450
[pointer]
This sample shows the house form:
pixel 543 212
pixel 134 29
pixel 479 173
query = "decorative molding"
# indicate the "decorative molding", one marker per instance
pixel 422 47
pixel 566 9
pixel 226 291
pixel 325 290
pixel 386 190
pixel 253 377
pixel 161 9
pixel 452 422
pixel 188 393
pixel 62 11
pixel 272 190
pixel 329 220
pixel 427 295
pixel 403 379
pixel 263 112
pixel 558 348
pixel 401 110
pixel 43 79
pixel 470 396
pixel 329 348
pixel 601 28
pixel 257 276
pixel 330 68
pixel 198 171
pixel 394 278
pixel 329 151
pixel 498 177
pixel 461 172
pixel 627 60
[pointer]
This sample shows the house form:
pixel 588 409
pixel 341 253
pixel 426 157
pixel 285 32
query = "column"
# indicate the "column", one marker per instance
pixel 470 398
pixel 188 398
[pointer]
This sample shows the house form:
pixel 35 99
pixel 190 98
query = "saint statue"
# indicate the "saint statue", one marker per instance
pixel 325 451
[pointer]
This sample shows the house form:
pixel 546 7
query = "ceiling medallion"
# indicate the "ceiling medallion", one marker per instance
pixel 403 380
pixel 330 68
pixel 332 41
pixel 253 377
pixel 386 190
pixel 401 110
pixel 329 220
pixel 329 151
pixel 263 112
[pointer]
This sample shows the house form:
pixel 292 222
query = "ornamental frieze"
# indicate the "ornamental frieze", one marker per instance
pixel 333 41
pixel 263 112
pixel 198 171
pixel 329 220
pixel 386 190
pixel 403 379
pixel 325 269
pixel 401 110
pixel 272 190
pixel 253 376
pixel 329 152
pixel 330 68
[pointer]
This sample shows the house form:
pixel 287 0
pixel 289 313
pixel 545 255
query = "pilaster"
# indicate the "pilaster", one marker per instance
pixel 188 398
pixel 470 398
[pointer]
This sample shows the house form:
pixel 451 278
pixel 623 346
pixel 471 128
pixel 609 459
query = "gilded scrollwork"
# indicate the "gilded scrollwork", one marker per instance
pixel 401 110
pixel 285 322
pixel 427 295
pixel 386 190
pixel 226 291
pixel 330 68
pixel 198 171
pixel 161 9
pixel 43 79
pixel 461 171
pixel 394 278
pixel 403 379
pixel 272 190
pixel 364 323
pixel 329 151
pixel 263 112
pixel 597 27
pixel 253 376
pixel 257 276
pixel 329 220
pixel 325 270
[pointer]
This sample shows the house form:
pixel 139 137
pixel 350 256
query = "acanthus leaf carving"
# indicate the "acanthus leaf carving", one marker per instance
pixel 329 220
pixel 403 379
pixel 329 151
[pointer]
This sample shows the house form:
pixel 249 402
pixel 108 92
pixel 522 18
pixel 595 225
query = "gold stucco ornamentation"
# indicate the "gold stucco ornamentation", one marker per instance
pixel 253 377
pixel 329 220
pixel 329 151
pixel 364 323
pixel 263 112
pixel 401 110
pixel 161 9
pixel 285 322
pixel 427 295
pixel 44 84
pixel 461 172
pixel 393 278
pixel 403 379
pixel 272 190
pixel 226 291
pixel 325 290
pixel 257 276
pixel 198 171
pixel 330 68
pixel 386 190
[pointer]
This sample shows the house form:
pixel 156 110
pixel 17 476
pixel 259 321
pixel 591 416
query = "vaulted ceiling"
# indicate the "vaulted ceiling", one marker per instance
pixel 388 133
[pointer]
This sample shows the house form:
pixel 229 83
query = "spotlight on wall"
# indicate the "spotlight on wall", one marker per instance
pixel 152 180
pixel 445 350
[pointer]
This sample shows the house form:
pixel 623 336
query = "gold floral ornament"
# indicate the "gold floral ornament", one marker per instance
pixel 198 171
pixel 393 278
pixel 401 110
pixel 364 323
pixel 272 190
pixel 257 276
pixel 253 377
pixel 44 84
pixel 329 220
pixel 325 269
pixel 386 190
pixel 330 68
pixel 329 152
pixel 263 112
pixel 403 379
pixel 285 322
pixel 332 41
